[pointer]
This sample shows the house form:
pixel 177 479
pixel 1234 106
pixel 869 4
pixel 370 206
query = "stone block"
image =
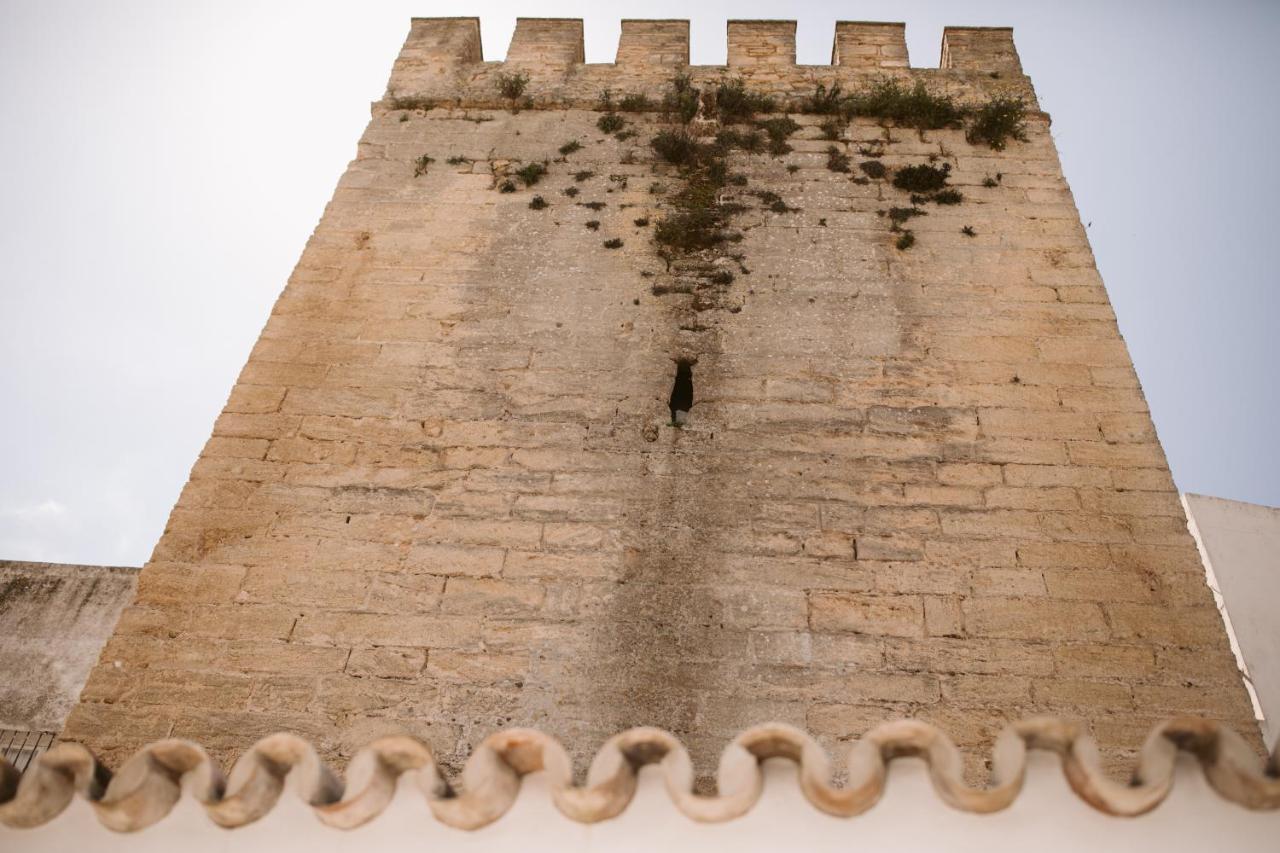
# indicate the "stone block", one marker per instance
pixel 1033 619
pixel 386 662
pixel 351 628
pixel 1108 660
pixel 876 615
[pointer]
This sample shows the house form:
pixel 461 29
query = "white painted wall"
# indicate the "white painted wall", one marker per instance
pixel 1240 546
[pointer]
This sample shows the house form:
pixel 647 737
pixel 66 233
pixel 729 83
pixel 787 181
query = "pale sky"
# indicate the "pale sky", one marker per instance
pixel 164 162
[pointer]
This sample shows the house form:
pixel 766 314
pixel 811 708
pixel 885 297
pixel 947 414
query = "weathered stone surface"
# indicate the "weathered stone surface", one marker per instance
pixel 446 494
pixel 54 620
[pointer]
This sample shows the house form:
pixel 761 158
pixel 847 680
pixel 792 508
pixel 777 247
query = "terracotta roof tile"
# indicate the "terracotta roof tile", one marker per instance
pixel 150 783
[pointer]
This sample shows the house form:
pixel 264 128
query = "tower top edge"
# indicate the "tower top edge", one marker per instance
pixel 754 45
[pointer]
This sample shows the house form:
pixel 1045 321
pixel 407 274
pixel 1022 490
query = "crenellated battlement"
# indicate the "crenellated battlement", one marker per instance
pixel 442 60
pixel 756 43
pixel 867 44
pixel 546 43
pixel 980 49
pixel 436 47
pixel 648 43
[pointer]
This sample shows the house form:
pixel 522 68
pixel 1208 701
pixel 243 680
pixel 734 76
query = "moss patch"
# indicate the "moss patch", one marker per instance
pixel 837 160
pixel 690 230
pixel 530 173
pixel 751 141
pixel 873 169
pixel 611 123
pixel 778 129
pixel 682 99
pixel 635 104
pixel 922 178
pixel 679 147
pixel 733 102
pixel 512 86
pixel 997 121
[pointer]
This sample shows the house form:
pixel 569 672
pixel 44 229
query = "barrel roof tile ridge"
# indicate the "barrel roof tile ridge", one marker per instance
pixel 149 784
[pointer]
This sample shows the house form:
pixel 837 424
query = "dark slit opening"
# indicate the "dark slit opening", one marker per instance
pixel 682 393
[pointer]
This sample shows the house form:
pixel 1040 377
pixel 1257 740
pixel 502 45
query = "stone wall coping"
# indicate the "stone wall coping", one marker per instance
pixel 35 567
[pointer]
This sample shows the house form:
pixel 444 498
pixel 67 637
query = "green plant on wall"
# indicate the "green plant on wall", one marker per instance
pixel 512 86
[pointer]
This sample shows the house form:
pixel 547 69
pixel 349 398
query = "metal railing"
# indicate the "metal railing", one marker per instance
pixel 20 748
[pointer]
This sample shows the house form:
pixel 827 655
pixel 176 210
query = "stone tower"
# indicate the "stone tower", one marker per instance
pixel 917 477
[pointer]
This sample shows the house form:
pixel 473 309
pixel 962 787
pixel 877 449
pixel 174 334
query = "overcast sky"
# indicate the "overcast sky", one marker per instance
pixel 164 162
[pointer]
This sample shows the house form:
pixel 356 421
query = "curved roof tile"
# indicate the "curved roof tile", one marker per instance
pixel 150 783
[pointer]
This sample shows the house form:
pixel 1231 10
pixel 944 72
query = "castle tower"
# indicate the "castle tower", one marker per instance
pixel 853 453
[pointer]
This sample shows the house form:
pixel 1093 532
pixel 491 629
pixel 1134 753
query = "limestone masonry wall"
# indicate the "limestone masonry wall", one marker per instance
pixel 446 496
